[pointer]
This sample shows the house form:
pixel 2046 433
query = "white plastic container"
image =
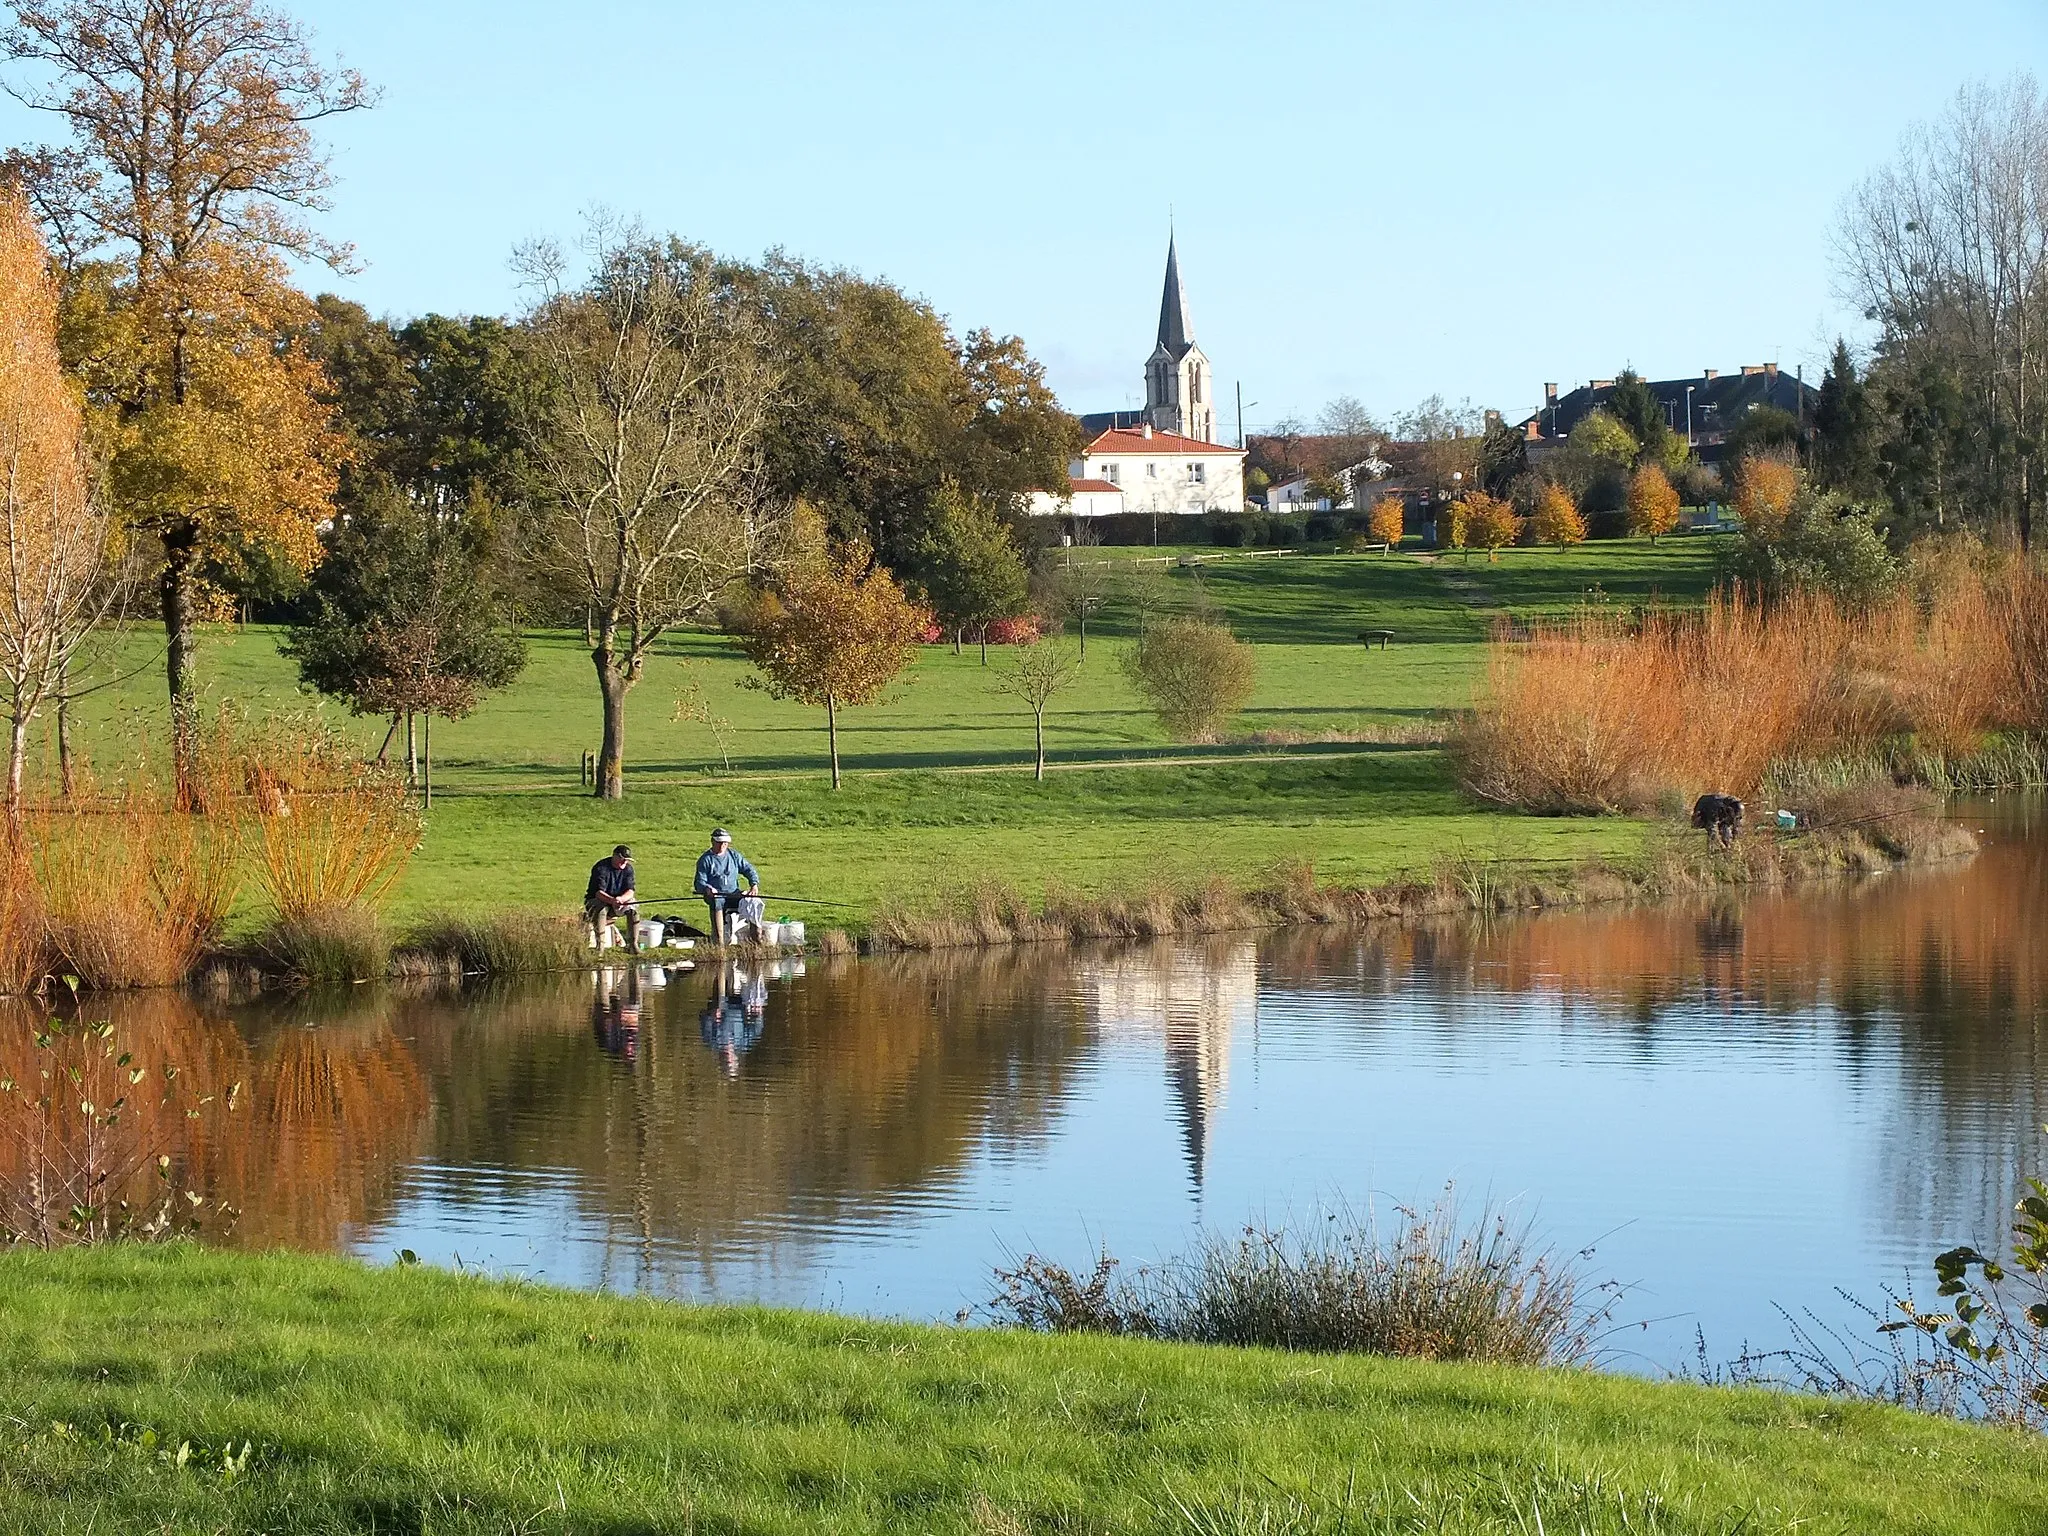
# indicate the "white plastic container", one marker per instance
pixel 771 934
pixel 647 934
pixel 793 935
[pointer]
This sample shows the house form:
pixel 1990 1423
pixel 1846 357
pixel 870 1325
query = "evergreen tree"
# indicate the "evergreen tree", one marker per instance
pixel 1635 407
pixel 1844 429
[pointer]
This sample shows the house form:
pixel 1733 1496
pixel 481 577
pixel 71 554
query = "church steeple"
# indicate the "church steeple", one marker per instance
pixel 1175 333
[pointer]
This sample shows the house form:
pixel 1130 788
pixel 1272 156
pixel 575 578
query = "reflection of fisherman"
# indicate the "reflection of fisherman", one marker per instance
pixel 609 896
pixel 733 1017
pixel 615 1018
pixel 720 869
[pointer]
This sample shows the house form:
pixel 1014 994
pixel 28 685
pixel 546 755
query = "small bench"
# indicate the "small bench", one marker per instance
pixel 1383 636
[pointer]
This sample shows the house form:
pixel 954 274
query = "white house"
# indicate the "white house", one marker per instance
pixel 1163 471
pixel 1084 498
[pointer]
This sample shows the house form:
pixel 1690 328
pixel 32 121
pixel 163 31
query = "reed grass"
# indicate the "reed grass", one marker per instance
pixel 1430 1286
pixel 328 829
pixel 1601 714
pixel 325 944
pixel 496 944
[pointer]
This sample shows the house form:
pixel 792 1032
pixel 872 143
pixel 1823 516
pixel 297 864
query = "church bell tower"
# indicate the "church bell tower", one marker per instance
pixel 1179 392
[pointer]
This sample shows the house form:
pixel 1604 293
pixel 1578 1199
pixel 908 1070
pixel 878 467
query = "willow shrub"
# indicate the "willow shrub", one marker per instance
pixel 1194 673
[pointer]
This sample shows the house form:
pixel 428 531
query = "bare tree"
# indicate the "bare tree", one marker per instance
pixel 1947 249
pixel 646 437
pixel 1038 674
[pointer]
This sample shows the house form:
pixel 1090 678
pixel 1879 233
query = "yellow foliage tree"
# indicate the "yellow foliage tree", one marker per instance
pixel 835 635
pixel 1491 524
pixel 1454 525
pixel 1652 502
pixel 1387 521
pixel 53 529
pixel 182 191
pixel 1556 519
pixel 1764 488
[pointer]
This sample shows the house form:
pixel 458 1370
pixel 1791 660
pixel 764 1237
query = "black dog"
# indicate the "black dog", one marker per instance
pixel 1721 815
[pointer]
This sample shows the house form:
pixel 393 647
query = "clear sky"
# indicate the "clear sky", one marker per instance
pixel 1372 199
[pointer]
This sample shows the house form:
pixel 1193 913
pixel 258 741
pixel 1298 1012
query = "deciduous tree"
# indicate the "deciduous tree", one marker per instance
pixel 972 573
pixel 1491 524
pixel 1038 673
pixel 645 441
pixel 54 535
pixel 1764 491
pixel 1652 502
pixel 1195 674
pixel 1387 521
pixel 1556 519
pixel 835 636
pixel 190 170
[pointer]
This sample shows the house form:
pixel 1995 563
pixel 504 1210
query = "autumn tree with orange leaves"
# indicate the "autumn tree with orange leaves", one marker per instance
pixel 836 634
pixel 1557 519
pixel 187 182
pixel 1652 502
pixel 1764 488
pixel 54 544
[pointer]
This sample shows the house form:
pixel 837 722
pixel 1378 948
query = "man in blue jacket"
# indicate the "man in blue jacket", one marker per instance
pixel 720 869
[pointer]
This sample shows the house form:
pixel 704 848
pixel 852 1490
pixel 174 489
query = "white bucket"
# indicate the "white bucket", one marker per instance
pixel 771 934
pixel 793 934
pixel 647 934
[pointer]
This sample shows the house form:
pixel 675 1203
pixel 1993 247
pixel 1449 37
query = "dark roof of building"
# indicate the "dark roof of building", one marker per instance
pixel 1095 423
pixel 1719 401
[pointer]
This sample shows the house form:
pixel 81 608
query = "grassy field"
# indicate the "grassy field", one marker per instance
pixel 412 1400
pixel 940 794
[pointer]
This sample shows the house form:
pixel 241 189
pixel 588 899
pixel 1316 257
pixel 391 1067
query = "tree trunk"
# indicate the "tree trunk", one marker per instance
pixel 984 645
pixel 832 736
pixel 390 735
pixel 64 728
pixel 412 753
pixel 181 550
pixel 956 639
pixel 1084 633
pixel 427 759
pixel 1038 727
pixel 613 683
pixel 17 749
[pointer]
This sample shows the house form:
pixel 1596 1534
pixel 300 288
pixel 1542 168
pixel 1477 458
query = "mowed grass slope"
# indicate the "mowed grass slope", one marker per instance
pixel 416 1400
pixel 939 794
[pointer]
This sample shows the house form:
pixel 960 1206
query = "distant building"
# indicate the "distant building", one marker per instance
pixel 1703 409
pixel 1180 387
pixel 1084 498
pixel 1162 471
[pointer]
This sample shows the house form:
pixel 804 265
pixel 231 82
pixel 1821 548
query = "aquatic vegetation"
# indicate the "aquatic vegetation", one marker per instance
pixel 1431 1286
pixel 492 944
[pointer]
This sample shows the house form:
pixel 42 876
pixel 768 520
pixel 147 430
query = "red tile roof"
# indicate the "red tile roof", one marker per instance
pixel 1075 487
pixel 1122 440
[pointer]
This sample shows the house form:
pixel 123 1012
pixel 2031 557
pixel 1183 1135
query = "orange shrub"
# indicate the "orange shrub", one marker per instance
pixel 1490 523
pixel 1764 489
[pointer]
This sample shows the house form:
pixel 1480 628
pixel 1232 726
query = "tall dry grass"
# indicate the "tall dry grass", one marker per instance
pixel 329 831
pixel 1597 714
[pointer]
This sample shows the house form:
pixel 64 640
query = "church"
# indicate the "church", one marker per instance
pixel 1165 458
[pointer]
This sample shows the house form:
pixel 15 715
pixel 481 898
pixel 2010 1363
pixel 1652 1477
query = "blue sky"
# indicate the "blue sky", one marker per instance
pixel 1378 200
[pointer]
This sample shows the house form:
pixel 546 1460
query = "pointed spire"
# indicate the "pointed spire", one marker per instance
pixel 1175 333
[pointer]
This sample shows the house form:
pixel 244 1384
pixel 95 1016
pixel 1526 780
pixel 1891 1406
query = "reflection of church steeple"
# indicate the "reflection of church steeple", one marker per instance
pixel 1197 1066
pixel 1191 999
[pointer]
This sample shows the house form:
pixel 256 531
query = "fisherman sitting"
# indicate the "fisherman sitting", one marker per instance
pixel 609 898
pixel 720 870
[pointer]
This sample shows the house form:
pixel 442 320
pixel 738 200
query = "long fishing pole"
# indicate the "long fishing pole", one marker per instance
pixel 802 901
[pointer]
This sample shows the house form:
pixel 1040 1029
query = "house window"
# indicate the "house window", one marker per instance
pixel 1197 472
pixel 1151 471
pixel 1195 384
pixel 1109 473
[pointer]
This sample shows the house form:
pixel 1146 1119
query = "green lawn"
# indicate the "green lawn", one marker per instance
pixel 414 1400
pixel 939 791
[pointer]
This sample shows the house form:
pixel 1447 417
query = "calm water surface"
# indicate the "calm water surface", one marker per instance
pixel 1741 1104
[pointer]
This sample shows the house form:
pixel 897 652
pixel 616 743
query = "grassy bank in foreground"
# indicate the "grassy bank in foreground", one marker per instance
pixel 415 1400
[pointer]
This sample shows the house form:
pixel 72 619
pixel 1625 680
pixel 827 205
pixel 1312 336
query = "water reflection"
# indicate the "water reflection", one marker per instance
pixel 1764 1098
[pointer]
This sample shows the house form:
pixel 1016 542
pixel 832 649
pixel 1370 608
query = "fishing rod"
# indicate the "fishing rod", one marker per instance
pixel 801 901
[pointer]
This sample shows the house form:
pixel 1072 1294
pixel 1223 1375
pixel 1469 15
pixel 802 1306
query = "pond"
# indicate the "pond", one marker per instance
pixel 1738 1105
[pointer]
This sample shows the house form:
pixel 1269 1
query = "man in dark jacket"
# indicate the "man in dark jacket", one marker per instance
pixel 609 896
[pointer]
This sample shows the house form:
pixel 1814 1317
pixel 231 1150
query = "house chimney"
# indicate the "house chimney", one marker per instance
pixel 1770 370
pixel 1751 370
pixel 1710 374
pixel 1147 429
pixel 1603 384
